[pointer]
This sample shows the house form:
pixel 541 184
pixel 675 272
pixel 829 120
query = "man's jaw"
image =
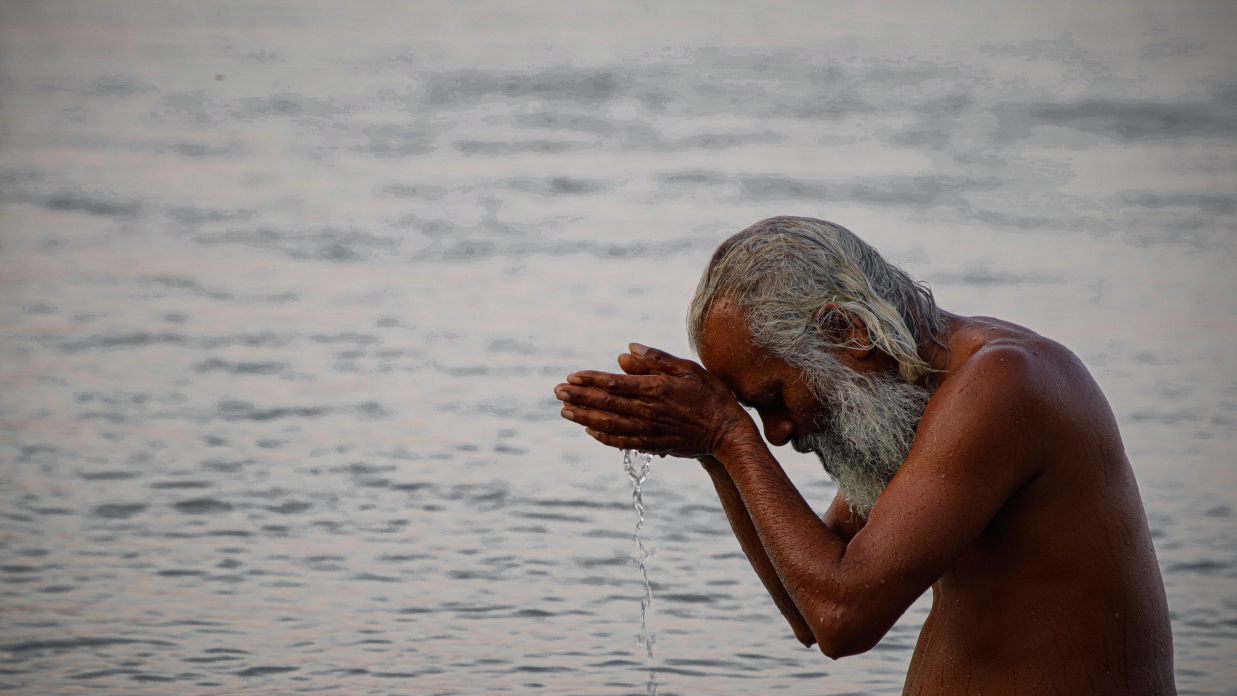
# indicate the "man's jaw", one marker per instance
pixel 859 478
pixel 815 443
pixel 864 428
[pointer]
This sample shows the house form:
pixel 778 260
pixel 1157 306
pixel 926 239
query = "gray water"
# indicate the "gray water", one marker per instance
pixel 286 289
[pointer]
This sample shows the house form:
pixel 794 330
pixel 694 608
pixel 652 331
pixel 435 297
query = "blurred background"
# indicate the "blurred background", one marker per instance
pixel 286 288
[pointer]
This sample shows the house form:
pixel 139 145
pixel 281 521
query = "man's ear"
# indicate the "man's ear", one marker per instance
pixel 843 328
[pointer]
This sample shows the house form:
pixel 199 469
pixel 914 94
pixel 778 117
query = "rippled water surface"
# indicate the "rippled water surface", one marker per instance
pixel 286 288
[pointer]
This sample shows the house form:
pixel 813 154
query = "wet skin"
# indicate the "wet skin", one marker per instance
pixel 1016 505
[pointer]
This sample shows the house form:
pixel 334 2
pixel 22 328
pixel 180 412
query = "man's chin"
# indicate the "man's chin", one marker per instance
pixel 806 445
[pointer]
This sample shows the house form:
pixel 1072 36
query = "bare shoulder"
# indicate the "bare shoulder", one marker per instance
pixel 1011 380
pixel 1006 355
pixel 990 419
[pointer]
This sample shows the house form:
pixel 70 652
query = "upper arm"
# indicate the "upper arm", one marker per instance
pixel 979 441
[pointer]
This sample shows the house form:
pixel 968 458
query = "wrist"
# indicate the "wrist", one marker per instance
pixel 737 440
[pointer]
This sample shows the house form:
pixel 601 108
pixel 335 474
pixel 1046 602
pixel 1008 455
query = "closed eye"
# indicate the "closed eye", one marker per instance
pixel 772 402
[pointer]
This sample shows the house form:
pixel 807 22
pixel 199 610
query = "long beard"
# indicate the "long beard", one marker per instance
pixel 867 430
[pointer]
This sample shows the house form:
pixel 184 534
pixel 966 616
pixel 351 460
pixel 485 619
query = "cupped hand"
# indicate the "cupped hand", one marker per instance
pixel 663 405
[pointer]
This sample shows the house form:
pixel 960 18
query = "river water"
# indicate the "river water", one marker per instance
pixel 286 288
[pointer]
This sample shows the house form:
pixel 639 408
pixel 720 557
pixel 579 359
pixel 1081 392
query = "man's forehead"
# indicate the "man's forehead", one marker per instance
pixel 726 315
pixel 725 342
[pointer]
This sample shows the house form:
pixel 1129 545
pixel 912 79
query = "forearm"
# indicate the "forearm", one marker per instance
pixel 805 555
pixel 749 541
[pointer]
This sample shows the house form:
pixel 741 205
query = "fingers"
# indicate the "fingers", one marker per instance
pixel 652 445
pixel 600 400
pixel 636 365
pixel 621 385
pixel 601 421
pixel 662 361
pixel 633 365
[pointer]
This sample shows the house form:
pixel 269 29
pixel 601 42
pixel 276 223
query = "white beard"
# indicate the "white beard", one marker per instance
pixel 867 429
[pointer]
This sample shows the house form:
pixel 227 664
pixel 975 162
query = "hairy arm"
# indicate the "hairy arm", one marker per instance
pixel 839 519
pixel 753 548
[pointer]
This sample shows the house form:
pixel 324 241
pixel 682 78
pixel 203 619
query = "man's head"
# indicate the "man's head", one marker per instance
pixel 780 314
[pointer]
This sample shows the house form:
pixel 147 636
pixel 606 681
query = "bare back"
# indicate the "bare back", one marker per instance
pixel 1061 593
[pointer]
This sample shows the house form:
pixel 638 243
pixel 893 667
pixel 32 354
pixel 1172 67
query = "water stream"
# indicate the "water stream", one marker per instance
pixel 637 465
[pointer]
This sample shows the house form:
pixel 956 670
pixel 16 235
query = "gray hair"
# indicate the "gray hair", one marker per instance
pixel 782 271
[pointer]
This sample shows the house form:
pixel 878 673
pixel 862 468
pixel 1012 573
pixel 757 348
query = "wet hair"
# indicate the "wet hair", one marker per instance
pixel 782 272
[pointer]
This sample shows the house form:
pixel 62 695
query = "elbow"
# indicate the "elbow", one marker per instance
pixel 846 634
pixel 803 634
pixel 836 649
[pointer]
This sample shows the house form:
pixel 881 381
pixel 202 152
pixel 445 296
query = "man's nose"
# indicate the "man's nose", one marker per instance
pixel 778 430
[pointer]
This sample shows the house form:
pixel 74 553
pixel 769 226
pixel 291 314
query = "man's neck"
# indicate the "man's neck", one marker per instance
pixel 937 355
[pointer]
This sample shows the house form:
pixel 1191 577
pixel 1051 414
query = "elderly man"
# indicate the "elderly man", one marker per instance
pixel 972 456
